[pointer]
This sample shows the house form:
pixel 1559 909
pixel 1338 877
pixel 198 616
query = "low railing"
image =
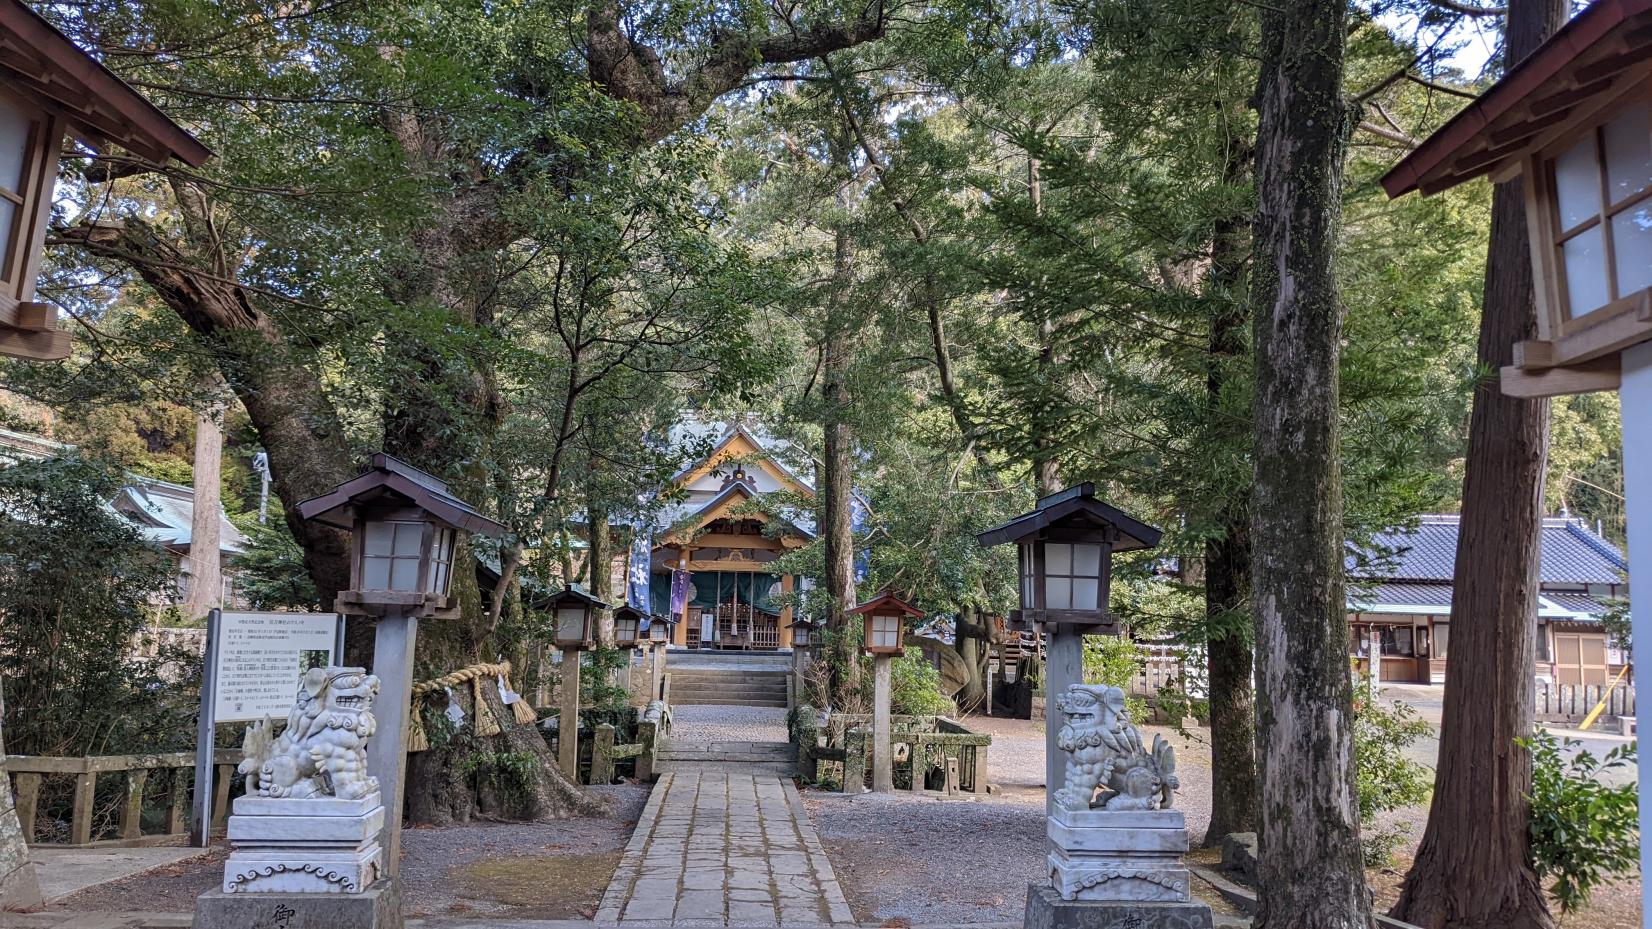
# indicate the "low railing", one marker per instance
pixel 602 756
pixel 158 785
pixel 1572 702
pixel 925 751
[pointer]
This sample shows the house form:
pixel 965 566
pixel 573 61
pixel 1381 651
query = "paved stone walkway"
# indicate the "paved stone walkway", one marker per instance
pixel 719 848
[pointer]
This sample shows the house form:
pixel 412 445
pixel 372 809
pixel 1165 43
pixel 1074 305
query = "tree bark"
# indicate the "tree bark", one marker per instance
pixel 1230 652
pixel 19 888
pixel 1473 870
pixel 837 474
pixel 1311 872
pixel 206 585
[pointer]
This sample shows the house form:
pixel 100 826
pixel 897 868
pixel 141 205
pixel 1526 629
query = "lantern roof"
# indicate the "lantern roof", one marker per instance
pixel 884 603
pixel 1075 508
pixel 804 622
pixel 1543 96
pixel 629 611
pixel 574 593
pixel 42 63
pixel 389 480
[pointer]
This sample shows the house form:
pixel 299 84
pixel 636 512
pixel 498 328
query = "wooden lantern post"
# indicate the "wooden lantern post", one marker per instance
pixel 405 529
pixel 659 636
pixel 50 89
pixel 803 644
pixel 575 612
pixel 1066 550
pixel 1573 120
pixel 885 635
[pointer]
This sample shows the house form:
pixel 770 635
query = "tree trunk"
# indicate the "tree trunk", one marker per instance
pixel 206 585
pixel 968 640
pixel 837 480
pixel 1230 662
pixel 1311 872
pixel 19 889
pixel 601 559
pixel 1231 653
pixel 1472 870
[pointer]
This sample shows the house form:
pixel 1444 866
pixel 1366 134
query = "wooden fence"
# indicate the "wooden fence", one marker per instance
pixel 601 754
pixel 924 749
pixel 158 785
pixel 1572 702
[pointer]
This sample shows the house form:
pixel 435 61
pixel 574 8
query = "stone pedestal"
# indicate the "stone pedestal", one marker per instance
pixel 1118 856
pixel 308 846
pixel 1046 910
pixel 377 907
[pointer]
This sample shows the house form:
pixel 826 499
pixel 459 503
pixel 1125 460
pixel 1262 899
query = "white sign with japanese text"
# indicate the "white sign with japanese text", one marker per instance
pixel 261 657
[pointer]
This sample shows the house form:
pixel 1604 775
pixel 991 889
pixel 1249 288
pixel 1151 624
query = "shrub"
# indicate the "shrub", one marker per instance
pixel 1115 661
pixel 1387 779
pixel 77 585
pixel 915 687
pixel 1584 832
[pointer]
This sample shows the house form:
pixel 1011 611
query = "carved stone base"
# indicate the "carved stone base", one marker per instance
pixel 1046 910
pixel 377 907
pixel 1096 855
pixel 312 846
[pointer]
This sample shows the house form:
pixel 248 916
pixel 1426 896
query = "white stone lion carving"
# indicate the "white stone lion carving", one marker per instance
pixel 322 752
pixel 1104 750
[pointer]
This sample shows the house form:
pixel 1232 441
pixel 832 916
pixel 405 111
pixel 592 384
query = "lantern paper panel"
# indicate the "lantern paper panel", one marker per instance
pixel 884 632
pixel 441 561
pixel 572 623
pixel 390 555
pixel 625 631
pixel 1072 576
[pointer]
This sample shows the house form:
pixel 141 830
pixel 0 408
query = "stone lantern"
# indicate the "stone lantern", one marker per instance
pixel 885 616
pixel 405 528
pixel 574 613
pixel 1066 547
pixel 628 621
pixel 803 645
pixel 50 89
pixel 659 636
pixel 1573 121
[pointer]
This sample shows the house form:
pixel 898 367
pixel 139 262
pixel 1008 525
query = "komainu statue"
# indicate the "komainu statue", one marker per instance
pixel 1104 752
pixel 322 752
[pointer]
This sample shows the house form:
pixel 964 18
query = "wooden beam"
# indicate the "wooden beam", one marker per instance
pixel 50 345
pixel 1533 353
pixel 1594 376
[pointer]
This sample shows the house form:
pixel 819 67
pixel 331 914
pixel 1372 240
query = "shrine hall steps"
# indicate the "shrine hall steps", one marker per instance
pixel 728 688
pixel 777 758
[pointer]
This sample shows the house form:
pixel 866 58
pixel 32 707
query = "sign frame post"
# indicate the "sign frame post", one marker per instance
pixel 200 829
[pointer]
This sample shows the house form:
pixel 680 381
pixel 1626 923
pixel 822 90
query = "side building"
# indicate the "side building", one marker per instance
pixel 1399 602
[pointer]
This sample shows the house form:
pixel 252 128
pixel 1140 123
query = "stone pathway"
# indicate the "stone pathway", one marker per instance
pixel 719 848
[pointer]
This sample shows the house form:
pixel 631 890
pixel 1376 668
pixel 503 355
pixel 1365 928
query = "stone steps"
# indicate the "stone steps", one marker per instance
pixel 777 758
pixel 733 687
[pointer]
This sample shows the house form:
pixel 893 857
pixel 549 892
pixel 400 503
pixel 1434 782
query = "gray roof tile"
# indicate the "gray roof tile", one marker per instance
pixel 1572 554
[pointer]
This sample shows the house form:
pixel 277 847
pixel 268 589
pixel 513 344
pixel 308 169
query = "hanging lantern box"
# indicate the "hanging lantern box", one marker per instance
pixel 628 622
pixel 1066 549
pixel 405 529
pixel 575 613
pixel 885 617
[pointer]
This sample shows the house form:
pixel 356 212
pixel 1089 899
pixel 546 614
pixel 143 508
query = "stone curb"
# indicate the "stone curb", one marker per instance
pixel 619 886
pixel 824 875
pixel 1245 899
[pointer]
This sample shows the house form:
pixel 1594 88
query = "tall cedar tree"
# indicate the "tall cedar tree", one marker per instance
pixel 1311 874
pixel 1473 869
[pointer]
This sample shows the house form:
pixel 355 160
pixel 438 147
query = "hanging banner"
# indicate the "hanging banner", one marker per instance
pixel 679 591
pixel 636 578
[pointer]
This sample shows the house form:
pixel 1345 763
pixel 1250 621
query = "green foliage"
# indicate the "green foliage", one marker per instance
pixel 1584 831
pixel 1115 661
pixel 596 677
pixel 77 586
pixel 271 575
pixel 1387 779
pixel 915 687
pixel 510 776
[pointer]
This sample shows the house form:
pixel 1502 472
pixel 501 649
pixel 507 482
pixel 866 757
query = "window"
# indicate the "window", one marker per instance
pixel 1396 640
pixel 1442 639
pixel 1072 576
pixel 886 631
pixel 390 555
pixel 18 128
pixel 1602 215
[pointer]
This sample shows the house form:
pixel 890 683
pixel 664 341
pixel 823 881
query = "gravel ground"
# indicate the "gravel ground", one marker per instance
pixel 554 870
pixel 728 724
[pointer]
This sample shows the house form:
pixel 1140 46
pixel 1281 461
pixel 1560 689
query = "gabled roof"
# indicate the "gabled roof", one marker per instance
pixel 1545 90
pixel 38 61
pixel 1572 554
pixel 884 602
pixel 392 480
pixel 1434 599
pixel 709 510
pixel 165 513
pixel 748 430
pixel 1076 506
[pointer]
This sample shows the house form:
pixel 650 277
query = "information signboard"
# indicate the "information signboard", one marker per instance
pixel 260 658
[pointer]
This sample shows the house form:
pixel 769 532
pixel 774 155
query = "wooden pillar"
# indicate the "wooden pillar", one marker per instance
pixel 393 641
pixel 786 613
pixel 567 732
pixel 656 657
pixel 679 635
pixel 883 768
pixel 602 755
pixel 1063 666
pixel 1636 400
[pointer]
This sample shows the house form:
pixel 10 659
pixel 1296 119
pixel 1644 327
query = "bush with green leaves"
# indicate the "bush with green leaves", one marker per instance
pixel 915 687
pixel 78 583
pixel 1115 660
pixel 271 575
pixel 1584 831
pixel 597 675
pixel 1388 780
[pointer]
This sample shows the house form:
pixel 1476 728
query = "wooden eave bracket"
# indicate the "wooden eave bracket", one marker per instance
pixel 1600 374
